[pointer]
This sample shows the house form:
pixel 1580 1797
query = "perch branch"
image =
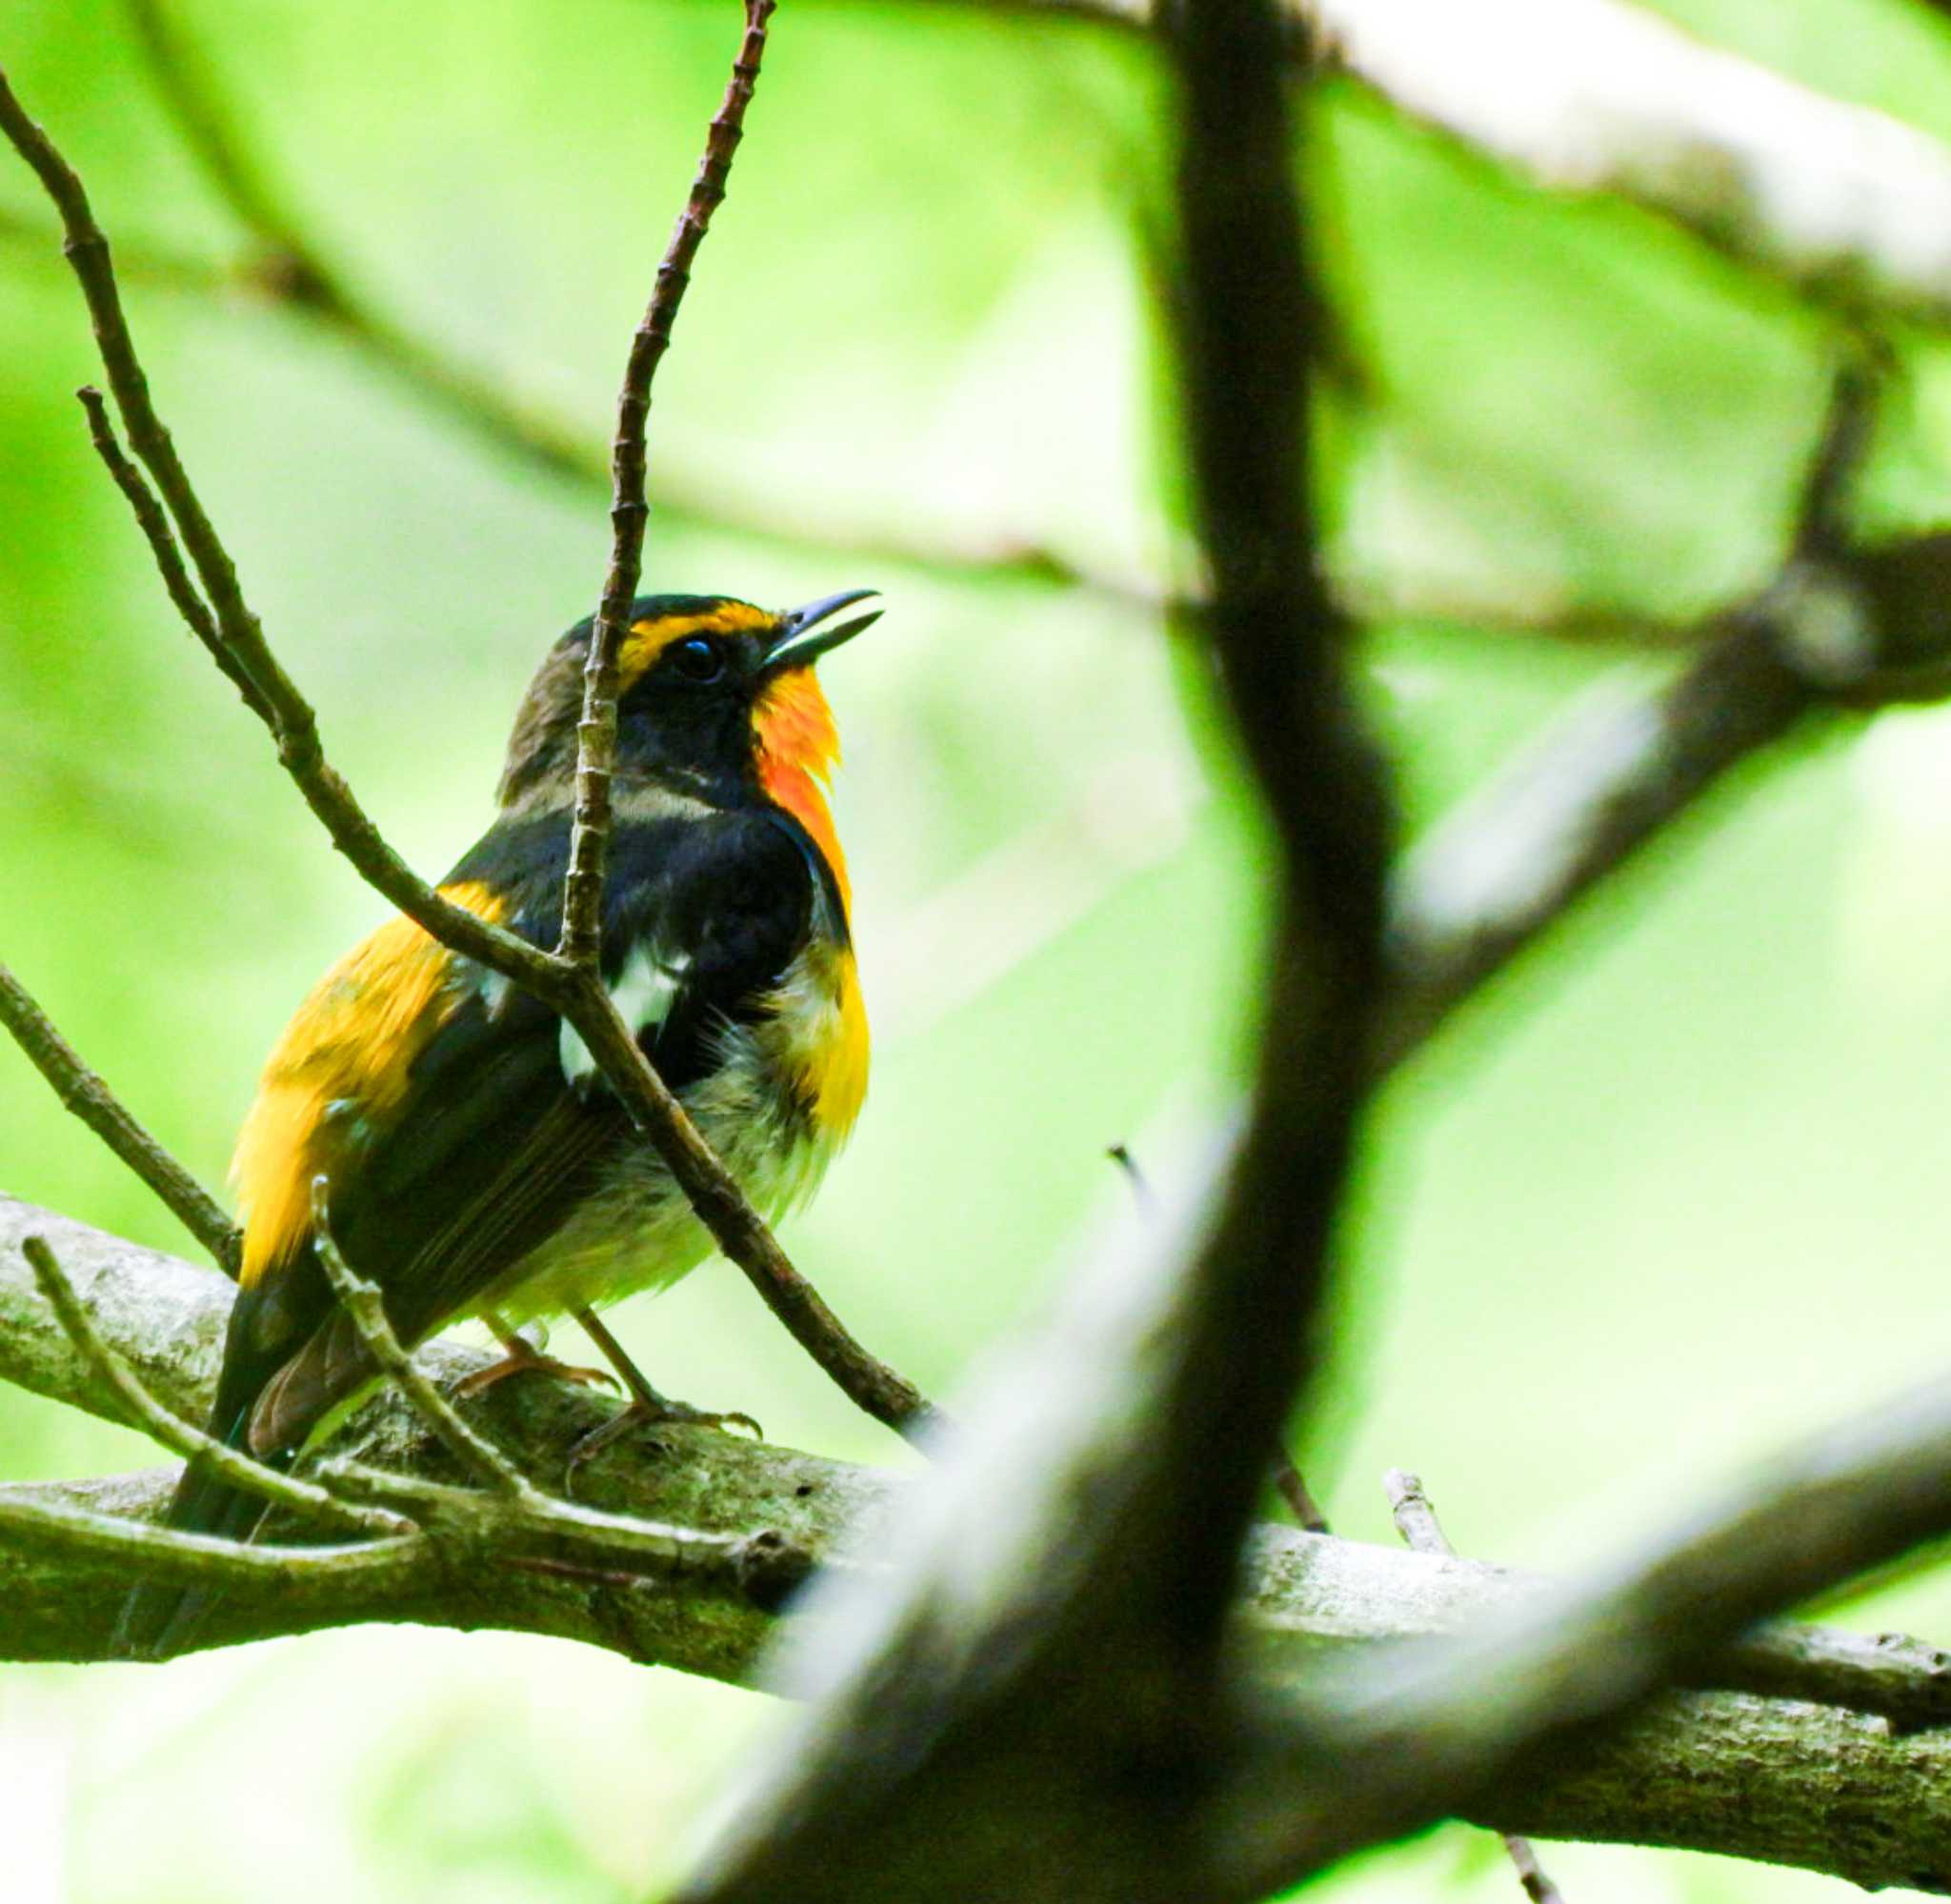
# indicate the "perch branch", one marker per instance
pixel 175 1434
pixel 366 1307
pixel 1308 1606
pixel 82 1092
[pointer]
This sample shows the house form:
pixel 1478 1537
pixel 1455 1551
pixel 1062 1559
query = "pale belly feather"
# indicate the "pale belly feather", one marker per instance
pixel 636 1229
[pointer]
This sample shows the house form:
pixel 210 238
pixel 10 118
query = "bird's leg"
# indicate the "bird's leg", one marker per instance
pixel 522 1357
pixel 645 1404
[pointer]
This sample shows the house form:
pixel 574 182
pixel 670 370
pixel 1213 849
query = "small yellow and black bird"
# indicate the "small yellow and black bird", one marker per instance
pixel 476 1163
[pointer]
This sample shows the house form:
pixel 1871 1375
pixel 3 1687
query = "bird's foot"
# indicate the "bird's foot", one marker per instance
pixel 646 1412
pixel 523 1361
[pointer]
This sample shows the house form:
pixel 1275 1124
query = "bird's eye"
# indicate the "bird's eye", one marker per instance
pixel 697 659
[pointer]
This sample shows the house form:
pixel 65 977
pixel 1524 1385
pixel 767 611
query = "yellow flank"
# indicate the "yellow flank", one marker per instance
pixel 341 1066
pixel 839 1077
pixel 649 639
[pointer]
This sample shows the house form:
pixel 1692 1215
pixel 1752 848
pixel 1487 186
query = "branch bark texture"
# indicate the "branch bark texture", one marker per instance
pixel 1836 1755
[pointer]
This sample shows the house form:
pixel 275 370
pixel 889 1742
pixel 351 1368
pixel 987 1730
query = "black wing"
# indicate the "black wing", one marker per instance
pixel 496 1143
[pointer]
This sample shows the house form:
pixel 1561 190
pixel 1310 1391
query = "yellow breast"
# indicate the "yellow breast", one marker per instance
pixel 817 1036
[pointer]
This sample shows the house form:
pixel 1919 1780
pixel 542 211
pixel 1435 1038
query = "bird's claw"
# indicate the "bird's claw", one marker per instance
pixel 643 1413
pixel 527 1362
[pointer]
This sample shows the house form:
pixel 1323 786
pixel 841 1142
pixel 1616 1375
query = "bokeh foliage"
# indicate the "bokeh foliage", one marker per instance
pixel 1671 1196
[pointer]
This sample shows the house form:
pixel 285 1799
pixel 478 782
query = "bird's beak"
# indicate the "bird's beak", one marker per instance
pixel 801 640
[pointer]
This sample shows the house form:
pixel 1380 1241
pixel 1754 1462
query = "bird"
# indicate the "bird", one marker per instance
pixel 475 1162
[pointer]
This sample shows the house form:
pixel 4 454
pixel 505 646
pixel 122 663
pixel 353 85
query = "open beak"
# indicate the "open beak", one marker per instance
pixel 802 639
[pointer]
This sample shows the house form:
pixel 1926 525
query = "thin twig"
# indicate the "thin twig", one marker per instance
pixel 167 1553
pixel 1415 1521
pixel 175 1434
pixel 82 1092
pixel 292 720
pixel 577 995
pixel 366 1307
pixel 153 520
pixel 582 895
pixel 1296 1492
pixel 620 1547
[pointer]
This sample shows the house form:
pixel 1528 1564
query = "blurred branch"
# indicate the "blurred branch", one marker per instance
pixel 1600 783
pixel 1443 1729
pixel 1843 627
pixel 1415 1521
pixel 1031 1708
pixel 84 1092
pixel 221 612
pixel 1745 1772
pixel 1849 207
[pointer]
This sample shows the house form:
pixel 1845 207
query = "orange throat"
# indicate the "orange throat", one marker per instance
pixel 798 748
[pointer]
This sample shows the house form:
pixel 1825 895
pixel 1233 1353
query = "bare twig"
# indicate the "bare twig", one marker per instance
pixel 366 1307
pixel 82 1092
pixel 153 521
pixel 577 994
pixel 582 897
pixel 1415 1521
pixel 293 721
pixel 48 1525
pixel 1297 1493
pixel 516 1511
pixel 175 1434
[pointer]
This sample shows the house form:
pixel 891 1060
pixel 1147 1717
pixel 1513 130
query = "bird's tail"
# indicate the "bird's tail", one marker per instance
pixel 158 1620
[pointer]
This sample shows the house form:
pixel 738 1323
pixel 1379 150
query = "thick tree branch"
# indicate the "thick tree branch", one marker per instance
pixel 1732 1770
pixel 1456 1728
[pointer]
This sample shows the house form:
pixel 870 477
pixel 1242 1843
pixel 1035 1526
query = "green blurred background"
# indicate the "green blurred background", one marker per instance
pixel 1670 1195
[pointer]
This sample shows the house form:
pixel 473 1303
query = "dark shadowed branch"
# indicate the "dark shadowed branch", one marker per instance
pixel 1004 1720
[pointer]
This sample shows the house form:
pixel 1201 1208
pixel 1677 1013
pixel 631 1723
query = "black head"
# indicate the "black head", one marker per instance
pixel 696 676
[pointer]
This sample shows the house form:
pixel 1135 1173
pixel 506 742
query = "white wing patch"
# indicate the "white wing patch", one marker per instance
pixel 644 992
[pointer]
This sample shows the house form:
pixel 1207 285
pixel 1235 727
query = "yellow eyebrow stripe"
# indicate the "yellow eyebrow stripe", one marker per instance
pixel 649 639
